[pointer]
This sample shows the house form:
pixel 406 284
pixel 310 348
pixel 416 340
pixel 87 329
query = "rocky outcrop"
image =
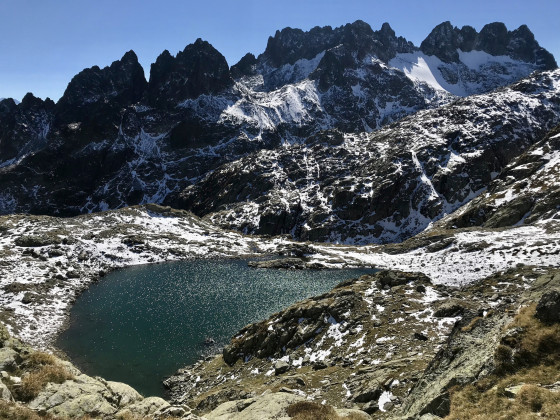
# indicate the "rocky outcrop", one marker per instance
pixel 270 406
pixel 197 70
pixel 548 308
pixel 494 39
pixel 388 185
pixel 364 345
pixel 347 359
pixel 527 190
pixel 55 388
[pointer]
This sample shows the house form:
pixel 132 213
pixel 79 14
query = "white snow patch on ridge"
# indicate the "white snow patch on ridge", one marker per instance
pixel 477 71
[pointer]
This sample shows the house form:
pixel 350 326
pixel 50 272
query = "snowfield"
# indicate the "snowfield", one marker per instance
pixel 476 72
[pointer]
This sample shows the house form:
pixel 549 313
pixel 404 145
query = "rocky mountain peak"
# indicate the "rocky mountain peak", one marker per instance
pixel 442 42
pixel 107 149
pixel 6 106
pixel 494 39
pixel 122 83
pixel 23 127
pixel 129 57
pixel 198 69
pixel 386 30
pixel 289 45
pixel 523 46
pixel 245 67
pixel 30 102
pixel 358 28
pixel 466 37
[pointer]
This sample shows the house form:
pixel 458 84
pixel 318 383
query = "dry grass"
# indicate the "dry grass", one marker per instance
pixel 12 411
pixel 42 368
pixel 307 410
pixel 38 359
pixel 472 324
pixel 539 340
pixel 33 384
pixel 532 357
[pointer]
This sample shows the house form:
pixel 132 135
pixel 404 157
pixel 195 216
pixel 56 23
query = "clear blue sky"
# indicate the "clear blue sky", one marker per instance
pixel 44 43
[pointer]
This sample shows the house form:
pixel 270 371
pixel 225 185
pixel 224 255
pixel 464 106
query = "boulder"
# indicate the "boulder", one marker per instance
pixel 281 367
pixel 548 308
pixel 5 393
pixel 512 391
pixel 419 336
pixel 7 358
pixel 389 278
pixel 352 413
pixel 74 399
pixel 4 334
pixel 369 394
pixel 440 406
pixel 449 308
pixel 430 417
pixel 370 407
pixel 319 364
pixel 83 405
pixel 294 381
pixel 124 394
pixel 173 411
pixel 145 407
pixel 230 354
pixel 265 407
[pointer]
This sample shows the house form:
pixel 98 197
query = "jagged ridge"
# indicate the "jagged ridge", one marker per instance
pixel 115 139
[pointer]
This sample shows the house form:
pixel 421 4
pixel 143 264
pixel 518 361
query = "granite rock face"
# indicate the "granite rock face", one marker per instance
pixel 198 69
pixel 389 185
pixel 494 39
pixel 526 191
pixel 115 139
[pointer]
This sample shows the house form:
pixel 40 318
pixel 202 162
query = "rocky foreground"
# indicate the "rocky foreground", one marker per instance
pixel 388 345
pixel 403 343
pixel 391 344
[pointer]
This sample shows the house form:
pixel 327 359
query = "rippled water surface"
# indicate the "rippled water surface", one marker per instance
pixel 142 323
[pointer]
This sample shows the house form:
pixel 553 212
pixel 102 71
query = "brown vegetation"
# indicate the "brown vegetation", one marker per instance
pixel 42 368
pixel 12 411
pixel 474 322
pixel 529 354
pixel 307 410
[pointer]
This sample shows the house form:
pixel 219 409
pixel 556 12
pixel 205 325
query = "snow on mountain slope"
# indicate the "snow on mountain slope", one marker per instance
pixel 385 186
pixel 115 139
pixel 296 104
pixel 476 71
pixel 526 192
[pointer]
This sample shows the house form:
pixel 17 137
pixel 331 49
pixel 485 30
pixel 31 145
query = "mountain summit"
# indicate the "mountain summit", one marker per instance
pixel 447 42
pixel 115 139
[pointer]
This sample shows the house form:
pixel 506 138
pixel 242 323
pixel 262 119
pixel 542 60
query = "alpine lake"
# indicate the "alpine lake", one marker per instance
pixel 140 324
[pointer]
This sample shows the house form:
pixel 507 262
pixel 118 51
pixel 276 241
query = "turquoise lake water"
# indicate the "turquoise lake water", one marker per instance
pixel 140 324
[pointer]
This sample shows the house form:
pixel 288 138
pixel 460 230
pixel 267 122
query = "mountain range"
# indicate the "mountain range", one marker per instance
pixel 441 160
pixel 344 134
